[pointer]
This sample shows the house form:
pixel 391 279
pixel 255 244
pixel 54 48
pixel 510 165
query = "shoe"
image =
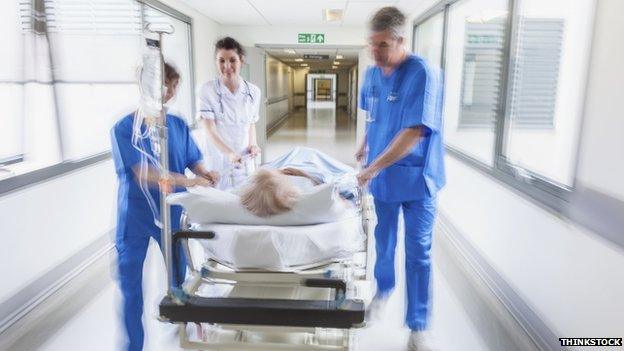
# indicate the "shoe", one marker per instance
pixel 420 341
pixel 376 307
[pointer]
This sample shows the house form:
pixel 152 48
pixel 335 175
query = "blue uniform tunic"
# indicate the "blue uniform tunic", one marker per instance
pixel 411 96
pixel 135 221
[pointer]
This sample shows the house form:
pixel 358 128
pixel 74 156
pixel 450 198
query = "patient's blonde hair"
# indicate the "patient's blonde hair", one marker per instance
pixel 269 193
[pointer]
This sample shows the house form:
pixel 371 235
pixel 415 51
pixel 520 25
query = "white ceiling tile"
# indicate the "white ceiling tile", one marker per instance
pixel 297 12
pixel 236 13
pixel 359 12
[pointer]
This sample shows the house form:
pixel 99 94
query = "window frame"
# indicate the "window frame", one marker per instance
pixel 17 182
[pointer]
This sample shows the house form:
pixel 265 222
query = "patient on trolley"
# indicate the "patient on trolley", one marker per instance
pixel 275 188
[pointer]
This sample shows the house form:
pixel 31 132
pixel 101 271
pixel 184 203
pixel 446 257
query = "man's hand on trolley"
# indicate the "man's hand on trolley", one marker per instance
pixel 366 175
pixel 211 176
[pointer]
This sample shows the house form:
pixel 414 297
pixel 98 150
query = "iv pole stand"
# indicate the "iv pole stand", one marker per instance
pixel 164 183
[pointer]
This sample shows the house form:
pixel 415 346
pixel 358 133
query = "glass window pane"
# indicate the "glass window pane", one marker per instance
pixel 473 75
pixel 428 39
pixel 97 48
pixel 11 87
pixel 28 124
pixel 548 85
pixel 11 120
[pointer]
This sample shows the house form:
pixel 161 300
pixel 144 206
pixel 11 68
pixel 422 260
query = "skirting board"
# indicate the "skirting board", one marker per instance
pixel 40 291
pixel 503 319
pixel 273 127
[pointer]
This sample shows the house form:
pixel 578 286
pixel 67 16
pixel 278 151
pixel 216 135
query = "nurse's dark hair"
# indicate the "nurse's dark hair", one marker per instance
pixel 229 43
pixel 171 72
pixel 388 18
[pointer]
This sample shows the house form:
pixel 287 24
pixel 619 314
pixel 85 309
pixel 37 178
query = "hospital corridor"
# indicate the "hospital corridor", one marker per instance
pixel 333 175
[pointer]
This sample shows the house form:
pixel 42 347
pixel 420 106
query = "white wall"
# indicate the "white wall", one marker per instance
pixel 288 35
pixel 364 61
pixel 600 164
pixel 343 88
pixel 278 86
pixel 257 74
pixel 45 224
pixel 570 276
pixel 299 85
pixel 205 35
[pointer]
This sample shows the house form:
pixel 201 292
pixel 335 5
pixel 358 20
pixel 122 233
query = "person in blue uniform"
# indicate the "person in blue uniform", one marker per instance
pixel 135 218
pixel 402 97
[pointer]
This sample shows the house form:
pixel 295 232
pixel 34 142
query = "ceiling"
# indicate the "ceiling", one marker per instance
pixel 349 56
pixel 293 12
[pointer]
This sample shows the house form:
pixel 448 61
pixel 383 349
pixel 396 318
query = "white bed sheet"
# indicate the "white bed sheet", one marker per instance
pixel 282 248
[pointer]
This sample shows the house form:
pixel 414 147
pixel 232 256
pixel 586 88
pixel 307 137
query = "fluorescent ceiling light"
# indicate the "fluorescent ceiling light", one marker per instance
pixel 338 57
pixel 299 60
pixel 331 15
pixel 290 51
pixel 304 65
pixel 336 63
pixel 334 67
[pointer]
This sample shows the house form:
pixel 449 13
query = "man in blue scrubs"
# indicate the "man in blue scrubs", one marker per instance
pixel 402 97
pixel 135 219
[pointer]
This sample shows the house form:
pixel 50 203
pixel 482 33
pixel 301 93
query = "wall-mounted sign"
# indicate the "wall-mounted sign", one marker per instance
pixel 315 57
pixel 311 38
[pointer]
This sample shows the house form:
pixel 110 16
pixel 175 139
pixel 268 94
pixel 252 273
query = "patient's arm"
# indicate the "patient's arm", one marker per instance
pixel 291 171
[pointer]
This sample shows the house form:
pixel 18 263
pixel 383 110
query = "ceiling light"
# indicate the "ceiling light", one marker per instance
pixel 338 57
pixel 290 51
pixel 334 67
pixel 304 65
pixel 330 15
pixel 336 63
pixel 299 60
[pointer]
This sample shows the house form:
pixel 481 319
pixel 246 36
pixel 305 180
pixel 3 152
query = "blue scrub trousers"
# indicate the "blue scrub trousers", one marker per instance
pixel 419 217
pixel 132 245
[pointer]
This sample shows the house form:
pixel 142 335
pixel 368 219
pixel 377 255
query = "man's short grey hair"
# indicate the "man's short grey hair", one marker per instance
pixel 388 18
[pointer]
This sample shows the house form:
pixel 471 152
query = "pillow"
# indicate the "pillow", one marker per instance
pixel 210 205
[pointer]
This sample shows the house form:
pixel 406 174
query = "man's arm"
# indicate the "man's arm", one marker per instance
pixel 398 148
pixel 199 170
pixel 360 154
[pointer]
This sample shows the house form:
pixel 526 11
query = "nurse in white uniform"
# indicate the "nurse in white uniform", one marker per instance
pixel 229 108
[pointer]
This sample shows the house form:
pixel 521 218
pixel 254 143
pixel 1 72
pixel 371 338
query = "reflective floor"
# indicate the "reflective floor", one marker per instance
pixel 327 130
pixel 97 326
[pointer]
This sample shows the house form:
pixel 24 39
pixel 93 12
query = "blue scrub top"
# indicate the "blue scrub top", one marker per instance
pixel 183 153
pixel 410 96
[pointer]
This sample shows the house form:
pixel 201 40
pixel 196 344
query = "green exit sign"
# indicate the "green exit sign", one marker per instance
pixel 311 38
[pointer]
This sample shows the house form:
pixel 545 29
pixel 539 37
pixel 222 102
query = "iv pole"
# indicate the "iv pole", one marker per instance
pixel 163 157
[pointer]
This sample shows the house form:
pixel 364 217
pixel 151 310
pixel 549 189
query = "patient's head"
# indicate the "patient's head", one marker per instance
pixel 269 193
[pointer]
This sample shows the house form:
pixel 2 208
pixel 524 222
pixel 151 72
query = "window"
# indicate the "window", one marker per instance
pixel 428 39
pixel 29 129
pixel 473 66
pixel 75 74
pixel 546 88
pixel 514 85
